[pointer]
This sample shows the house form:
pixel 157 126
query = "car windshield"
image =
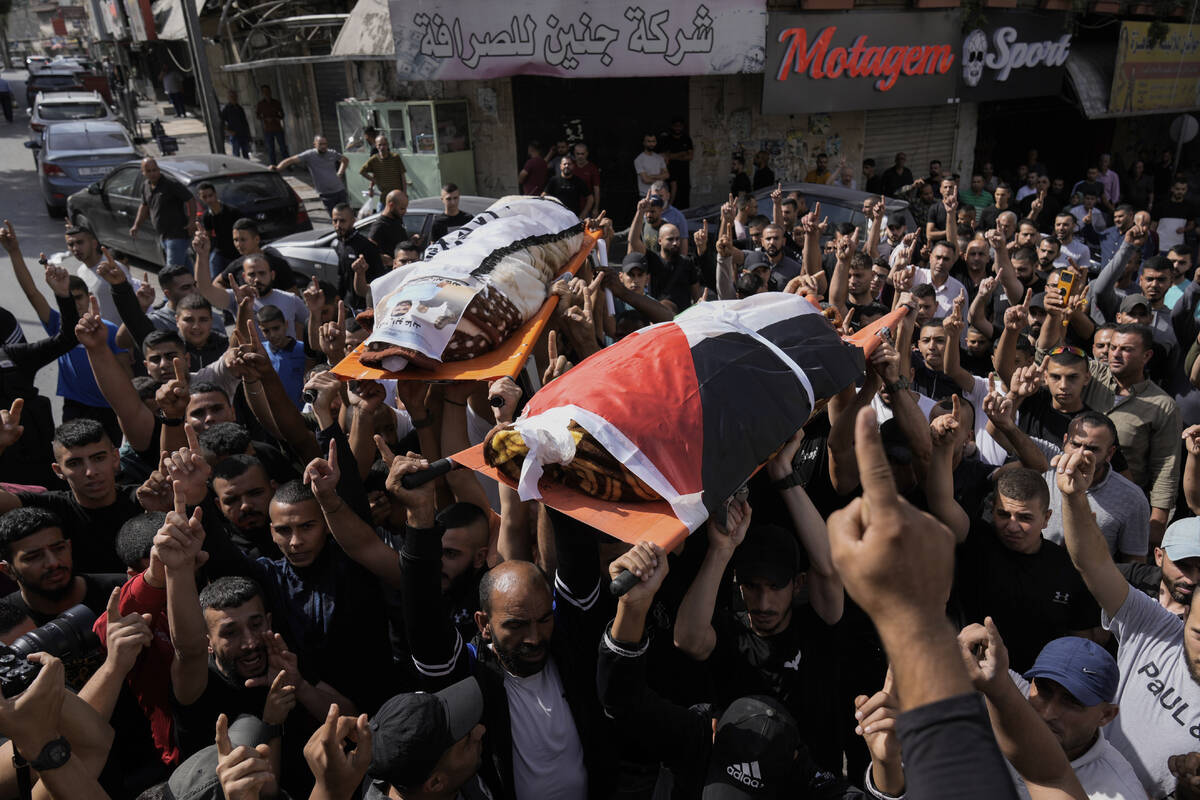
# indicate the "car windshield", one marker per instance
pixel 92 140
pixel 53 81
pixel 57 111
pixel 249 190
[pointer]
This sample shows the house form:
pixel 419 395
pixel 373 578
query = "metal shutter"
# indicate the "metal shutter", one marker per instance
pixel 923 134
pixel 330 80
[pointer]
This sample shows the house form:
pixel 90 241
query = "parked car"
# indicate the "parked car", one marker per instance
pixel 48 81
pixel 109 206
pixel 36 62
pixel 311 254
pixel 59 107
pixel 73 155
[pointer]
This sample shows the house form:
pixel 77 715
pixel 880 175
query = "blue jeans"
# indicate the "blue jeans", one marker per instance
pixel 239 146
pixel 276 146
pixel 177 101
pixel 175 251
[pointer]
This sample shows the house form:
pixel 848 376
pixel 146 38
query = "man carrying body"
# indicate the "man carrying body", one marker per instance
pixel 388 229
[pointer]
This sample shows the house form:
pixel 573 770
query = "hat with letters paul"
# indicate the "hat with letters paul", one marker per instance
pixel 753 750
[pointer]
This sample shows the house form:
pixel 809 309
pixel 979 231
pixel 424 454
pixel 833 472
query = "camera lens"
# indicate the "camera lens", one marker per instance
pixel 69 634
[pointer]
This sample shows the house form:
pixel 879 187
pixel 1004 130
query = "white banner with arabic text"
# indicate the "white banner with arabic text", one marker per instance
pixel 467 39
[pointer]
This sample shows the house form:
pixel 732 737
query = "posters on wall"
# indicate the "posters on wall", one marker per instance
pixel 464 39
pixel 1155 76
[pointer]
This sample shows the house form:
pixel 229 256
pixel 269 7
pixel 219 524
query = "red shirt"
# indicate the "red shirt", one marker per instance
pixel 536 173
pixel 589 174
pixel 150 678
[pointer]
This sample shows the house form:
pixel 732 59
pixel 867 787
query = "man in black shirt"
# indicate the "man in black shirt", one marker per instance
pixel 243 491
pixel 237 127
pixel 93 509
pixel 1048 412
pixel 247 241
pixel 36 553
pixel 567 187
pixel 170 207
pixel 453 217
pixel 739 181
pixel 218 220
pixel 1176 206
pixel 1008 571
pixel 350 244
pixel 897 176
pixel 673 276
pixel 388 229
pixel 676 146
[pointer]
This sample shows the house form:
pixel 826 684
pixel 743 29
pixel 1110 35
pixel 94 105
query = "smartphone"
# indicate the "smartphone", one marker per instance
pixel 1066 282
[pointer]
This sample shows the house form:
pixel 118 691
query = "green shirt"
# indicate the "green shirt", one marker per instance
pixel 980 201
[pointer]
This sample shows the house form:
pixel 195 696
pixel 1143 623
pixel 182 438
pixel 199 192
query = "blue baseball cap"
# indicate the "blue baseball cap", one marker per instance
pixel 1182 539
pixel 1082 667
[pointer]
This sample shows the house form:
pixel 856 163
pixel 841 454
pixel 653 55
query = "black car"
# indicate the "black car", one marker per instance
pixel 109 206
pixel 51 81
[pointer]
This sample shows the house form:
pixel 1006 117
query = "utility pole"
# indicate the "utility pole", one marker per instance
pixel 200 72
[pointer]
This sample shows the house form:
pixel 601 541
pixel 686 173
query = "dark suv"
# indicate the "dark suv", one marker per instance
pixel 109 206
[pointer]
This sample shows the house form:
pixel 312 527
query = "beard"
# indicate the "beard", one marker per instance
pixel 53 595
pixel 523 660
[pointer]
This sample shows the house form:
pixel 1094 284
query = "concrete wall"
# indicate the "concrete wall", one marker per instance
pixel 725 116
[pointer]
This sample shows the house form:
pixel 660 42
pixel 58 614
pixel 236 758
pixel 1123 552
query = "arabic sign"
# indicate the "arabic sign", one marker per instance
pixel 847 62
pixel 1154 77
pixel 1018 54
pixel 462 39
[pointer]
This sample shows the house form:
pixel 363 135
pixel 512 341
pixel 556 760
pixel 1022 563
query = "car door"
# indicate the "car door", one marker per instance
pixel 117 209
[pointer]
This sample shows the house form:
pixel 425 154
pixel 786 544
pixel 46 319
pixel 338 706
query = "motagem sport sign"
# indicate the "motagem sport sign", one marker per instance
pixel 855 61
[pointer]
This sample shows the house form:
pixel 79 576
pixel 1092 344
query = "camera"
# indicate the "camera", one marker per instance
pixel 68 635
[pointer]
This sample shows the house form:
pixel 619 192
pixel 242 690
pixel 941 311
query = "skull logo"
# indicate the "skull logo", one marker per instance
pixel 974 51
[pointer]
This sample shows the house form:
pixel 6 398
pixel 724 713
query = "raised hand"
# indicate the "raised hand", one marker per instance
pixel 558 363
pixel 173 396
pixel 999 407
pixel 281 699
pixel 953 322
pixel 179 542
pixel 780 465
pixel 700 238
pixel 145 292
pixel 727 537
pixel 126 636
pixel 188 470
pixel 281 662
pixel 322 474
pixel 8 238
pixel 90 330
pixel 1136 235
pixel 847 246
pixel 988 286
pixel 875 721
pixel 1074 471
pixel 156 493
pixel 314 298
pixel 337 767
pixel 508 393
pixel 1191 438
pixel 244 771
pixel 984 655
pixel 108 269
pixel 58 279
pixel 1016 318
pixel 332 336
pixel 895 561
pixel 646 560
pixel 424 496
pixel 201 245
pixel 943 430
pixel 777 194
pixel 10 424
pixel 1025 381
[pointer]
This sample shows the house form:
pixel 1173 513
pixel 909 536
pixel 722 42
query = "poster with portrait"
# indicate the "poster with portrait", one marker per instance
pixel 423 313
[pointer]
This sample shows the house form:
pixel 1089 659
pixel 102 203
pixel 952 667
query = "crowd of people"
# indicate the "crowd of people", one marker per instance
pixel 970 574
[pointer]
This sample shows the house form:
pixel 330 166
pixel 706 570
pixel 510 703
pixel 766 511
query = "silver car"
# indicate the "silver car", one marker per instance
pixel 55 108
pixel 73 155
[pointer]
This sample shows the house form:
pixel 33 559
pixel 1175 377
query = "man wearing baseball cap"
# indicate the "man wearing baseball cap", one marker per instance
pixel 1176 570
pixel 428 745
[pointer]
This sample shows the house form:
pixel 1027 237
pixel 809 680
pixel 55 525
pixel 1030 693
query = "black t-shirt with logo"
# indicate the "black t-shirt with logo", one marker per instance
pixel 796 666
pixel 1033 598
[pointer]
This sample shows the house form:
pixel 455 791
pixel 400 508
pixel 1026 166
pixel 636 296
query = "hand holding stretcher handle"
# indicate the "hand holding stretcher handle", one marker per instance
pixel 421 477
pixel 623 583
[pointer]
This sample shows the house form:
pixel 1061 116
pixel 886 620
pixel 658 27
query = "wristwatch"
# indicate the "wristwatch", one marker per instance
pixel 896 385
pixel 170 422
pixel 55 754
pixel 787 482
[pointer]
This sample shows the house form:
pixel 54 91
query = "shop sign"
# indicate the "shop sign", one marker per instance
pixel 846 62
pixel 1155 76
pixel 1015 55
pixel 465 39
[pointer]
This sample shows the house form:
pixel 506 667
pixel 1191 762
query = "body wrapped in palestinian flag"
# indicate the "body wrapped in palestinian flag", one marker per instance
pixel 475 287
pixel 684 411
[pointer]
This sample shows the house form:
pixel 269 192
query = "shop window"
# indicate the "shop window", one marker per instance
pixel 420 125
pixel 453 129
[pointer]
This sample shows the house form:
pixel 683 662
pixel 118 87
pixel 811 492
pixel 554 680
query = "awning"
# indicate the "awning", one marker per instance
pixel 282 61
pixel 367 34
pixel 1090 74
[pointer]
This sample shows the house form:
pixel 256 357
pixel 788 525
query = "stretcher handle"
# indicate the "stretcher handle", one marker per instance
pixel 423 476
pixel 623 583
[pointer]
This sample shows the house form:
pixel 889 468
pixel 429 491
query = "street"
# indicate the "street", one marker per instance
pixel 21 204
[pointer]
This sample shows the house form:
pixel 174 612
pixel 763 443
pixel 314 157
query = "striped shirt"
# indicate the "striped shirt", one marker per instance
pixel 386 171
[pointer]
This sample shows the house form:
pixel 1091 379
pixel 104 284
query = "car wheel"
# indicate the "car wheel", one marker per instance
pixel 56 212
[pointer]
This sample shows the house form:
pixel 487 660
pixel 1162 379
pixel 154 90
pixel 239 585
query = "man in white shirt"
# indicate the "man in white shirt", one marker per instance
pixel 84 247
pixel 1071 686
pixel 1158 653
pixel 1070 248
pixel 649 165
pixel 941 259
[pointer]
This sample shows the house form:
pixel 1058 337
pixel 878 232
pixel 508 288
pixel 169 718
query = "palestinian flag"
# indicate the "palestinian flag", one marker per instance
pixel 694 406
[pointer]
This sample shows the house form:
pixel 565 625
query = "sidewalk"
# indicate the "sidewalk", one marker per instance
pixel 192 139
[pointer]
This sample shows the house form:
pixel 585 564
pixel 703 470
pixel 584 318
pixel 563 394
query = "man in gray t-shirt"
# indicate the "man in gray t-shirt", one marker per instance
pixel 1158 653
pixel 326 168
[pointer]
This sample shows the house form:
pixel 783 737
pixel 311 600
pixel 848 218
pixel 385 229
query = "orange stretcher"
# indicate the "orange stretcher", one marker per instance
pixel 635 522
pixel 507 360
